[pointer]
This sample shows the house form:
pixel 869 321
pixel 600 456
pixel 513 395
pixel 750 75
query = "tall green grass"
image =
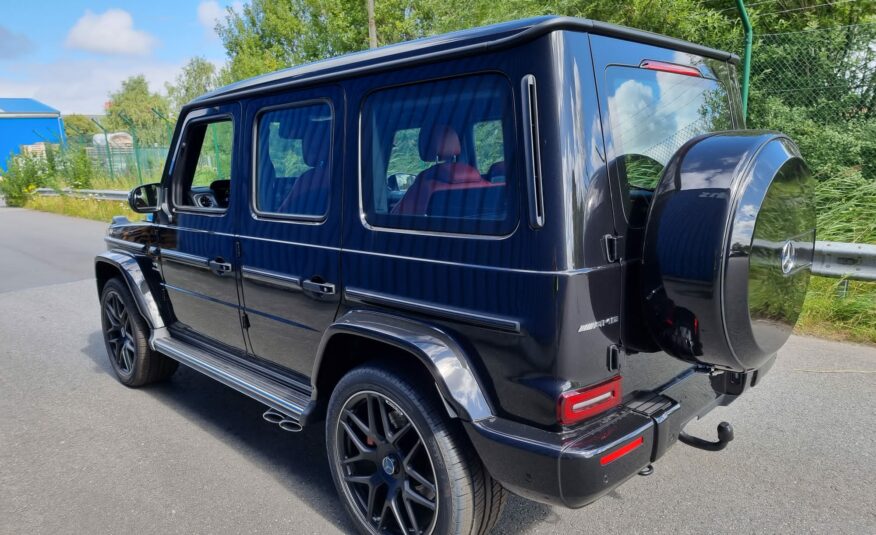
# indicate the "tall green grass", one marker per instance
pixel 82 207
pixel 846 212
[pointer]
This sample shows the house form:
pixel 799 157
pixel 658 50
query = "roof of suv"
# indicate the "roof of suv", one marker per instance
pixel 476 40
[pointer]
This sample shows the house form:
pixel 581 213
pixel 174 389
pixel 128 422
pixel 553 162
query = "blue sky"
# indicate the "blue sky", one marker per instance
pixel 71 54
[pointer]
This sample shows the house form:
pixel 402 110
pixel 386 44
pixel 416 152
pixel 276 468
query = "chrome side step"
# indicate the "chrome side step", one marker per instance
pixel 292 403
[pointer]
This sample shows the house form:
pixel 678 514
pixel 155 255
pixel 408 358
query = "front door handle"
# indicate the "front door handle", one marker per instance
pixel 219 266
pixel 316 286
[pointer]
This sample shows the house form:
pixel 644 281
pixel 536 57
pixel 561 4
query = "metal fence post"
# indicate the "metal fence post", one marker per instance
pixel 109 154
pixel 130 124
pixel 167 125
pixel 746 68
pixel 45 140
pixel 82 135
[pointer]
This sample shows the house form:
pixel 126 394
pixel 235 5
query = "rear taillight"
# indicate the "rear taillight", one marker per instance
pixel 577 405
pixel 674 68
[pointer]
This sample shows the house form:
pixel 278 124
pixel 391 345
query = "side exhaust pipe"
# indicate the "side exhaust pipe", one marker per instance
pixel 285 423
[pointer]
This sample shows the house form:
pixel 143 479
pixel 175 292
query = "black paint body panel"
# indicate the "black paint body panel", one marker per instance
pixel 505 324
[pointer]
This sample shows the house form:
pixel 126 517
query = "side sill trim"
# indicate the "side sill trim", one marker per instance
pixel 291 403
pixel 451 313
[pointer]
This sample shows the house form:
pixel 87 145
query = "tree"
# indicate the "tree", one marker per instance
pixel 268 35
pixel 76 126
pixel 197 77
pixel 135 101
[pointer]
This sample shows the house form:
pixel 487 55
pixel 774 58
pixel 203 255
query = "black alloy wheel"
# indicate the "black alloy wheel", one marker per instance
pixel 126 335
pixel 386 469
pixel 119 332
pixel 400 462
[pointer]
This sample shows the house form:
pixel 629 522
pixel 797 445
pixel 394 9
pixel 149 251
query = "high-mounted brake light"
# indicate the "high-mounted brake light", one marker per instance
pixel 583 403
pixel 670 67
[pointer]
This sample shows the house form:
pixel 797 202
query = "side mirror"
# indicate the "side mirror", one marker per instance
pixel 144 199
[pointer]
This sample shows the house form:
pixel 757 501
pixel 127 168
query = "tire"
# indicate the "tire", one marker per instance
pixel 126 336
pixel 400 457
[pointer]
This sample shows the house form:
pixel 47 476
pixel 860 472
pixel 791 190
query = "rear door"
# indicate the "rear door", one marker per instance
pixel 197 246
pixel 652 100
pixel 290 224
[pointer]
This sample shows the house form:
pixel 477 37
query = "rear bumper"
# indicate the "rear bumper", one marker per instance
pixel 575 468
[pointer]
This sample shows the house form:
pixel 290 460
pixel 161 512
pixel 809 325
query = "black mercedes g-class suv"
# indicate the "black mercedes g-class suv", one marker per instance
pixel 521 257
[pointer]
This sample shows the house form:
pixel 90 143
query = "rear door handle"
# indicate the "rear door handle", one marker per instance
pixel 219 266
pixel 317 287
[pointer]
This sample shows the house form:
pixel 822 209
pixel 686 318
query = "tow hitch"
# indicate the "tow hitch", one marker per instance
pixel 725 435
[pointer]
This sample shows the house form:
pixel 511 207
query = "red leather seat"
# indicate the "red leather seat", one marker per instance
pixel 440 145
pixel 309 194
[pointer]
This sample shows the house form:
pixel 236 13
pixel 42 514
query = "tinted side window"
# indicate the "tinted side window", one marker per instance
pixel 202 179
pixel 293 167
pixel 428 150
pixel 652 114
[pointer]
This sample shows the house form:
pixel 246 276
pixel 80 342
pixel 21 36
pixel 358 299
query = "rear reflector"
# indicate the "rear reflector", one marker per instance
pixel 577 405
pixel 670 67
pixel 620 452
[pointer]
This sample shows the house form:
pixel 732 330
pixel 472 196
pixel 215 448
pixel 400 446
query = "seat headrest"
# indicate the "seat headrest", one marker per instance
pixel 315 145
pixel 497 169
pixel 439 143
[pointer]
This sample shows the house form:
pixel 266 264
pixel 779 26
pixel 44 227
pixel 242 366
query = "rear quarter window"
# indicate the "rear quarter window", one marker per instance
pixel 438 156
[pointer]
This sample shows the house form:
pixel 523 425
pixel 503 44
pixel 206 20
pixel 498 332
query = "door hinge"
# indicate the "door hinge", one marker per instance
pixel 237 250
pixel 612 245
pixel 244 321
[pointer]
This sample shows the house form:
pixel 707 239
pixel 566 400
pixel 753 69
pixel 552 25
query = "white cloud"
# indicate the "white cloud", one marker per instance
pixel 655 119
pixel 210 13
pixel 111 32
pixel 82 86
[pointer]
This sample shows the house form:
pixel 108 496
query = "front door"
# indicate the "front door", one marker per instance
pixel 197 246
pixel 290 226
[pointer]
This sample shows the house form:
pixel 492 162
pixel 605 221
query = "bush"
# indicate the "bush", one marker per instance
pixel 831 149
pixel 78 168
pixel 24 174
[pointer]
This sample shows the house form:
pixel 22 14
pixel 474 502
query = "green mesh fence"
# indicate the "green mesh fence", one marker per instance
pixel 117 166
pixel 826 73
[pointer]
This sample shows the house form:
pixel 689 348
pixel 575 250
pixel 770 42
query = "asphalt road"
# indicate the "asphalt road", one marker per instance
pixel 80 453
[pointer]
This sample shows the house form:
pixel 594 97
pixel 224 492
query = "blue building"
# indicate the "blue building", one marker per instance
pixel 24 121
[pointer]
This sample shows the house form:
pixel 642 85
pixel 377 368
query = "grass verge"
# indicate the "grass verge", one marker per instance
pixel 846 205
pixel 828 314
pixel 82 207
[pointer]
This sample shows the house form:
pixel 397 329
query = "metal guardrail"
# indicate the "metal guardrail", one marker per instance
pixel 99 194
pixel 856 261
